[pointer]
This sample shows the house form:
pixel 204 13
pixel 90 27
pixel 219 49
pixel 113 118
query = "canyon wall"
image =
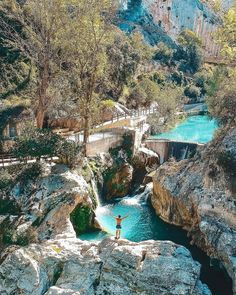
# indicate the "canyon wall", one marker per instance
pixel 173 16
pixel 200 195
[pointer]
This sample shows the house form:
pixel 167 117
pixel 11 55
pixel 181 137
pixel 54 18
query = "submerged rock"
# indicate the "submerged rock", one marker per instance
pixel 74 267
pixel 199 195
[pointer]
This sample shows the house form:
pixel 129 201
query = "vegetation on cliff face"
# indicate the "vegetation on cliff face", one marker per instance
pixel 226 34
pixel 82 219
pixel 221 88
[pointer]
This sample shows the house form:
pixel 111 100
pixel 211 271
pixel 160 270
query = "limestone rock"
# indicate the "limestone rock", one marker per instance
pixel 46 205
pixel 198 195
pixel 74 267
pixel 118 181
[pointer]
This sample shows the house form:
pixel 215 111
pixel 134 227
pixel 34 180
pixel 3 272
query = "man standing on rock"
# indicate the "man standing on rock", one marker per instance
pixel 118 219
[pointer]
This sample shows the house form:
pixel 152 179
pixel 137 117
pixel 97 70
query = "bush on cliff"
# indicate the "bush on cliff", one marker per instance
pixel 193 92
pixel 191 51
pixel 29 172
pixel 36 143
pixel 222 98
pixel 68 152
pixel 11 237
pixel 163 54
pixel 6 179
pixel 124 152
pixel 82 219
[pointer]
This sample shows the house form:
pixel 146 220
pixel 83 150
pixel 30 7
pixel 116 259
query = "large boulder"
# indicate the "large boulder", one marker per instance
pixel 199 194
pixel 74 267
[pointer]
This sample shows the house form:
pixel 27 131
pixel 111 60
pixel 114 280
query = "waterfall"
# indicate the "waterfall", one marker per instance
pixel 95 191
pixel 139 199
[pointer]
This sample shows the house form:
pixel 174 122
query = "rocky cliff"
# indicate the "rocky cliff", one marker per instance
pixel 74 267
pixel 163 20
pixel 200 195
pixel 46 208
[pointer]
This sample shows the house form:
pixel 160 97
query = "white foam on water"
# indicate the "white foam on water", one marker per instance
pixel 103 210
pixel 131 201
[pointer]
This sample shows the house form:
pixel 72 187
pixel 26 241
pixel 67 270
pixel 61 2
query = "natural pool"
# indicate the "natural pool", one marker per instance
pixel 143 224
pixel 197 129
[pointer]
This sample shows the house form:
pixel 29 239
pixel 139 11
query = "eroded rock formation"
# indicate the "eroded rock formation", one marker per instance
pixel 117 268
pixel 200 195
pixel 44 207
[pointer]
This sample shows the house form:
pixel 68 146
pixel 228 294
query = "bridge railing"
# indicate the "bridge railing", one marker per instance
pixel 10 159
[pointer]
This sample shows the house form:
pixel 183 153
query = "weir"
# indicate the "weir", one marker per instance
pixel 167 149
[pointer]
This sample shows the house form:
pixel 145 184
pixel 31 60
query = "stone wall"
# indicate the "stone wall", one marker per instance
pixel 103 145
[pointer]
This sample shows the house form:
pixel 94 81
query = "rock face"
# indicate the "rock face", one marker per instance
pixel 199 195
pixel 149 159
pixel 118 181
pixel 45 207
pixel 116 268
pixel 173 16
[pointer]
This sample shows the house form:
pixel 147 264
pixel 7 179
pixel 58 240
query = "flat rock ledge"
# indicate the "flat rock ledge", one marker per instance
pixel 75 267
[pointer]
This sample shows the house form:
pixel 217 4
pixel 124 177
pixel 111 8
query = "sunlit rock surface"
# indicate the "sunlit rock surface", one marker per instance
pixel 200 195
pixel 45 206
pixel 157 18
pixel 74 267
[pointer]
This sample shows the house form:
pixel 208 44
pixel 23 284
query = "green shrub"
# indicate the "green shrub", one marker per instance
pixel 192 54
pixel 158 77
pixel 68 152
pixel 178 78
pixel 192 91
pixel 163 53
pixel 10 237
pixel 81 219
pixel 36 143
pixel 30 173
pixel 126 146
pixel 6 179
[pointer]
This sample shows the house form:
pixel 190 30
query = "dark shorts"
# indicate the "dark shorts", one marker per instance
pixel 118 227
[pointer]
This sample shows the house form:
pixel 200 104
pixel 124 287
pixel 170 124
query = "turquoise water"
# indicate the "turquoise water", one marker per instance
pixel 197 129
pixel 143 224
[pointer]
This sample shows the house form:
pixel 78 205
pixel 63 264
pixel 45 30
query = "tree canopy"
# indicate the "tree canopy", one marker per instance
pixel 226 34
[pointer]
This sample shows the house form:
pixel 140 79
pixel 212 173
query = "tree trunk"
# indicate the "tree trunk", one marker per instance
pixel 40 118
pixel 86 133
